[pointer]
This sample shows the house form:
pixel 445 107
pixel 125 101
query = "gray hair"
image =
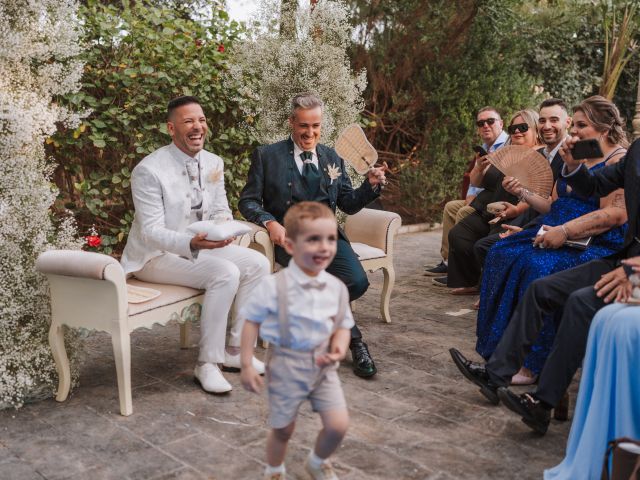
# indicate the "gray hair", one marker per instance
pixel 305 101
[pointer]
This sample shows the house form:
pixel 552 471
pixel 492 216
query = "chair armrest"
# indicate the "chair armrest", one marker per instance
pixel 76 263
pixel 376 228
pixel 260 241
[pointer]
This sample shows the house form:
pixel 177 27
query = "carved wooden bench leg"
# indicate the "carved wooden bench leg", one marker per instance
pixel 121 342
pixel 561 412
pixel 389 281
pixel 56 342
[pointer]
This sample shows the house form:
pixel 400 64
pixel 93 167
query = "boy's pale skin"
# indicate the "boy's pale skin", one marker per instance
pixel 313 250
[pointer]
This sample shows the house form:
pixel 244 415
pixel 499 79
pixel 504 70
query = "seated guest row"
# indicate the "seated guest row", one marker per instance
pixel 539 302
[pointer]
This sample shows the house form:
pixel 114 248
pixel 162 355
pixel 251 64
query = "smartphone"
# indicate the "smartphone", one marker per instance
pixel 589 148
pixel 479 150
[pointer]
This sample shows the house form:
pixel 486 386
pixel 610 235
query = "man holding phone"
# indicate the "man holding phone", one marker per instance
pixel 489 128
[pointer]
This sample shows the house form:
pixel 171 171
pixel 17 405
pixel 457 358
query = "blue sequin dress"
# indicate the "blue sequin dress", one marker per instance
pixel 513 263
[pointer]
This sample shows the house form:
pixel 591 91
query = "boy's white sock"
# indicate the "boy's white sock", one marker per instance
pixel 279 469
pixel 314 460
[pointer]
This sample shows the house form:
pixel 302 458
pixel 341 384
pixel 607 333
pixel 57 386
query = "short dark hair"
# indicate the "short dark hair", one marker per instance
pixel 552 102
pixel 489 108
pixel 179 102
pixel 305 211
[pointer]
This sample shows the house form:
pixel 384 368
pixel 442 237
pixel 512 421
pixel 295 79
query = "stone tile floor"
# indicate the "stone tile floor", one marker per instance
pixel 417 419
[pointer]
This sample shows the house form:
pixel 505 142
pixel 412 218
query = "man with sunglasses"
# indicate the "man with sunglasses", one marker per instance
pixel 489 125
pixel 553 123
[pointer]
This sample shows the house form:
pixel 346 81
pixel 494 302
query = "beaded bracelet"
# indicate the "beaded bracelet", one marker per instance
pixel 523 195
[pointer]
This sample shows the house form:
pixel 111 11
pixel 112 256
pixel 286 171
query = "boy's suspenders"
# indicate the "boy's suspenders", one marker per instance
pixel 283 309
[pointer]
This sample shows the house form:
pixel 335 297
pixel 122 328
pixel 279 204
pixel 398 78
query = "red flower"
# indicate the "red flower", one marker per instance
pixel 93 240
pixel 221 48
pixel 198 42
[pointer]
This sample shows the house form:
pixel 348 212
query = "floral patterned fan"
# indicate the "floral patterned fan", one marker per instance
pixel 352 145
pixel 530 167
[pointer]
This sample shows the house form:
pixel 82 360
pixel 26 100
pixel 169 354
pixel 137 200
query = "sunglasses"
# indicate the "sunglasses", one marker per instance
pixel 488 121
pixel 518 127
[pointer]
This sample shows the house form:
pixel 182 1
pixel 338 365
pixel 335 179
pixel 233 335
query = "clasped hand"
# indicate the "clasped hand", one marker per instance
pixel 615 285
pixel 553 237
pixel 199 242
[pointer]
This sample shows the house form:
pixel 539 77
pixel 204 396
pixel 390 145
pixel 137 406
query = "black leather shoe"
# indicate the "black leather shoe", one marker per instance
pixel 363 365
pixel 476 373
pixel 533 413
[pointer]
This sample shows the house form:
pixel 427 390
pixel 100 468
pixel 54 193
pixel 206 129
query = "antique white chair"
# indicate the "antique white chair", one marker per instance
pixel 89 290
pixel 371 233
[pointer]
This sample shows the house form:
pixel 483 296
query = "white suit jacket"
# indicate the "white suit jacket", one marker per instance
pixel 162 200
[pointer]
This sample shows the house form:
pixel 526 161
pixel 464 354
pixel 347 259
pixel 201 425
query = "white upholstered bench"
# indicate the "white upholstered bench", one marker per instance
pixel 89 290
pixel 371 233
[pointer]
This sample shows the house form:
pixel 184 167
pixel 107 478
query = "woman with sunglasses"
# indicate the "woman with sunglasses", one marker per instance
pixel 523 130
pixel 514 262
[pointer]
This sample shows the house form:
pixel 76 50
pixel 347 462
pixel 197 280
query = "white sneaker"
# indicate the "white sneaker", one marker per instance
pixel 324 472
pixel 232 363
pixel 210 378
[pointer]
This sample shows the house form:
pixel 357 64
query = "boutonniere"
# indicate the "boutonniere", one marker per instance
pixel 215 175
pixel 334 172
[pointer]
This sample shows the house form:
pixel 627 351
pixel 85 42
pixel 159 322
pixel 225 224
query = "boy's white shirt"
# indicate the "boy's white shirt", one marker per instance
pixel 311 310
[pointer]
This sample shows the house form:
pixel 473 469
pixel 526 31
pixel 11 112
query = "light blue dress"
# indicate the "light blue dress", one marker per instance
pixel 608 405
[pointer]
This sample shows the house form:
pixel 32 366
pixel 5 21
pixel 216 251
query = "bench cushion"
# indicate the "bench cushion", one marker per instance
pixel 170 294
pixel 366 252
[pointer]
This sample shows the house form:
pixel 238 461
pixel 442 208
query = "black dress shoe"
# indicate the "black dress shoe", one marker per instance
pixel 363 365
pixel 476 373
pixel 533 413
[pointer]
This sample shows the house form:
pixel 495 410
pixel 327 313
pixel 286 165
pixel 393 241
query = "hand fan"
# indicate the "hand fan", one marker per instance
pixel 530 167
pixel 352 145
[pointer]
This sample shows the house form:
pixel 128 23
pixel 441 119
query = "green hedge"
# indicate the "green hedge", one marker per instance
pixel 137 59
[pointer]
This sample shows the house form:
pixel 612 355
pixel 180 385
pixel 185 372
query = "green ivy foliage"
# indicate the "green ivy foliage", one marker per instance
pixel 138 56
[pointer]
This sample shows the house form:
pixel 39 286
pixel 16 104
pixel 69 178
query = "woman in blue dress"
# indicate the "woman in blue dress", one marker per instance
pixel 515 261
pixel 608 404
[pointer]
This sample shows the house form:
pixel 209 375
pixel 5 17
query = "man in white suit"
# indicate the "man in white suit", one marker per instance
pixel 173 187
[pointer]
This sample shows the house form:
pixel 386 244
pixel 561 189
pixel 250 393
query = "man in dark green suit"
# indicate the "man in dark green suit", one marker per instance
pixel 301 169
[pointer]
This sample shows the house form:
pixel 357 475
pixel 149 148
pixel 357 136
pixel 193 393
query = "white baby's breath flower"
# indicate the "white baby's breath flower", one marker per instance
pixel 37 48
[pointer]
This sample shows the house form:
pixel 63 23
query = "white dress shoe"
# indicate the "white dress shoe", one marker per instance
pixel 210 378
pixel 232 363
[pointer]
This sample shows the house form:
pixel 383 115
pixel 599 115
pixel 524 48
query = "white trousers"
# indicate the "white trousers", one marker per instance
pixel 224 273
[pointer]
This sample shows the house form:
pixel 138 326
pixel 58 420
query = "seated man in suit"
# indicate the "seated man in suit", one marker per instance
pixel 298 169
pixel 173 187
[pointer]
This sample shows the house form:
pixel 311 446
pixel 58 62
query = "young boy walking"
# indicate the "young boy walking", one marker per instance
pixel 303 312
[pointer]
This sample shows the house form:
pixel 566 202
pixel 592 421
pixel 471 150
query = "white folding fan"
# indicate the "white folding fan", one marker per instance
pixel 352 145
pixel 530 167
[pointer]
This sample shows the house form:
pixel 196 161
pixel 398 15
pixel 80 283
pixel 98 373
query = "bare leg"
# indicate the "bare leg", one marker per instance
pixel 277 444
pixel 334 427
